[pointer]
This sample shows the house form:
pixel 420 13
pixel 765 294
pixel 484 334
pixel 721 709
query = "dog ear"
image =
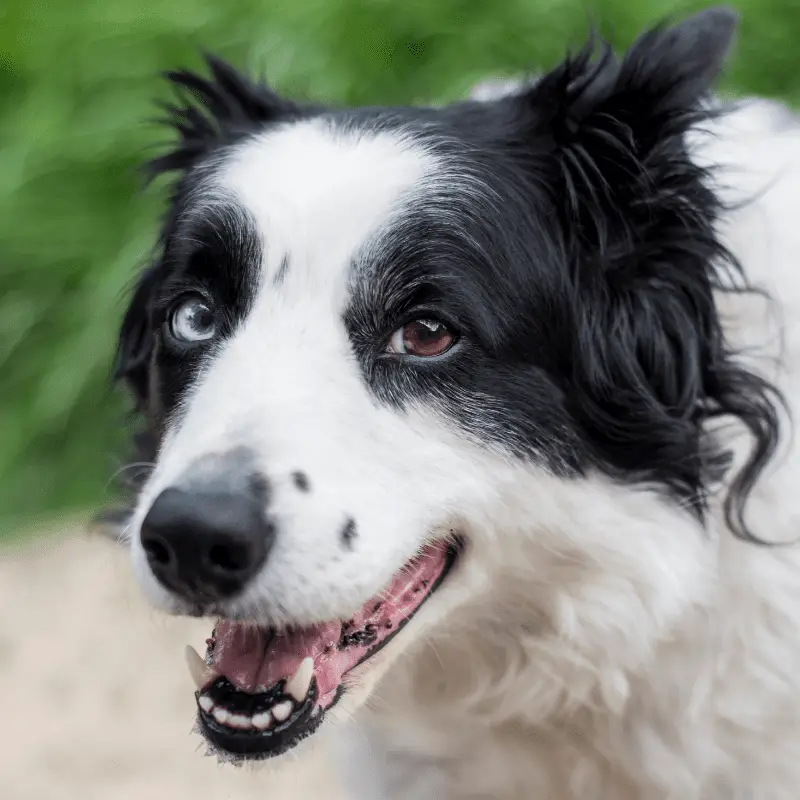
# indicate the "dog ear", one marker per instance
pixel 135 343
pixel 642 342
pixel 213 111
pixel 613 124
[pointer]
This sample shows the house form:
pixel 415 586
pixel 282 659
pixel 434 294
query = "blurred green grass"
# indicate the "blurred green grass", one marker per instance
pixel 76 87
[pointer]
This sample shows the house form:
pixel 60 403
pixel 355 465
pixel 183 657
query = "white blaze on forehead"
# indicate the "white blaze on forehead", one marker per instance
pixel 286 381
pixel 317 192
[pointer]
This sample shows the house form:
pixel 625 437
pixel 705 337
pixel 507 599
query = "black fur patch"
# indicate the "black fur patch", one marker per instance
pixel 571 245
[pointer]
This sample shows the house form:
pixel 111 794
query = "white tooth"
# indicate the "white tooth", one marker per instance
pixel 297 685
pixel 206 703
pixel 262 721
pixel 221 715
pixel 239 721
pixel 281 711
pixel 202 674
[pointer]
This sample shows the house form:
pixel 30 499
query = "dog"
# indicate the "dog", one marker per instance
pixel 470 426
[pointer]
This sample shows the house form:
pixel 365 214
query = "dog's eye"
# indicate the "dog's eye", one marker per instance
pixel 191 320
pixel 422 337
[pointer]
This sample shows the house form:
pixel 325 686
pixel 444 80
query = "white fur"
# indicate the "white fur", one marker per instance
pixel 620 652
pixel 595 642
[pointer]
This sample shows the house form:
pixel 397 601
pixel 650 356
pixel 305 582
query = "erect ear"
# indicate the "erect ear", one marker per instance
pixel 213 111
pixel 642 347
pixel 611 119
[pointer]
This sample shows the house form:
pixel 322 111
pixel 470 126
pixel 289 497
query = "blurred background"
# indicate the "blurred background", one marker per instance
pixel 77 85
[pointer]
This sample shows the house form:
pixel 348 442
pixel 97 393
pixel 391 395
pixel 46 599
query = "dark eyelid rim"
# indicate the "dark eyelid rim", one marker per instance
pixel 420 312
pixel 173 293
pixel 168 305
pixel 428 312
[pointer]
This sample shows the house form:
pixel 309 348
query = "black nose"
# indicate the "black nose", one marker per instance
pixel 205 543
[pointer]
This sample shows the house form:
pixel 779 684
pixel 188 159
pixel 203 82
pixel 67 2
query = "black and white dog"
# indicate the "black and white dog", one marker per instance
pixel 478 412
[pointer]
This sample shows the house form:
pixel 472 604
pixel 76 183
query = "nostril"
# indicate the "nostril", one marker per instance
pixel 205 542
pixel 230 557
pixel 156 550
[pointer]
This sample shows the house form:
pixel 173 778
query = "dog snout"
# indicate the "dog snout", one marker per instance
pixel 206 541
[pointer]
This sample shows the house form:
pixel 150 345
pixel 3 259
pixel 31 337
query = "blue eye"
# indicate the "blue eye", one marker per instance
pixel 192 320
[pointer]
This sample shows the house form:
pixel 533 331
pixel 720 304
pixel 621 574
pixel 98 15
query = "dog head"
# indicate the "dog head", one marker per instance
pixel 396 360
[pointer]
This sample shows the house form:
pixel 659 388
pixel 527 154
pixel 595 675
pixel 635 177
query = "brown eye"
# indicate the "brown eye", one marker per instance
pixel 422 337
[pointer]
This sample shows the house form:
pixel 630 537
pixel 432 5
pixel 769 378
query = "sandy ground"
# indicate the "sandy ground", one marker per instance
pixel 95 698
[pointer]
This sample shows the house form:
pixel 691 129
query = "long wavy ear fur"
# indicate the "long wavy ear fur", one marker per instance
pixel 645 349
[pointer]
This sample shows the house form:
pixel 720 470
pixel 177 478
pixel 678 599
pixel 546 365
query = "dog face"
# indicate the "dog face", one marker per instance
pixel 389 354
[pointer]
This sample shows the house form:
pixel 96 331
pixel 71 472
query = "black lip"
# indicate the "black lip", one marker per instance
pixel 259 746
pixel 452 554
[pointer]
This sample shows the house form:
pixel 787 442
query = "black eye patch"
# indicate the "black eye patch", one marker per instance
pixel 218 251
pixel 212 253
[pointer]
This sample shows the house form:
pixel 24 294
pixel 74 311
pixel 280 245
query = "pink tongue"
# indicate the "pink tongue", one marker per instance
pixel 253 658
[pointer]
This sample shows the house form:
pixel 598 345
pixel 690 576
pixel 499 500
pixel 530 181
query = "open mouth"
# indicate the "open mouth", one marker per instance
pixel 262 691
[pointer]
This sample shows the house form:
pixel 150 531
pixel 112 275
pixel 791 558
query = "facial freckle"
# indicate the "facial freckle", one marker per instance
pixel 349 533
pixel 301 481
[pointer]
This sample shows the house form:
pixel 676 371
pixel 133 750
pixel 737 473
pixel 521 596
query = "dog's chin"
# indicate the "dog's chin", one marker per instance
pixel 262 691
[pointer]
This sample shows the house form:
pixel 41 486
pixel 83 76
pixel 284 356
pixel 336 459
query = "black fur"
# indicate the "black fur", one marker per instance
pixel 643 342
pixel 223 110
pixel 580 276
